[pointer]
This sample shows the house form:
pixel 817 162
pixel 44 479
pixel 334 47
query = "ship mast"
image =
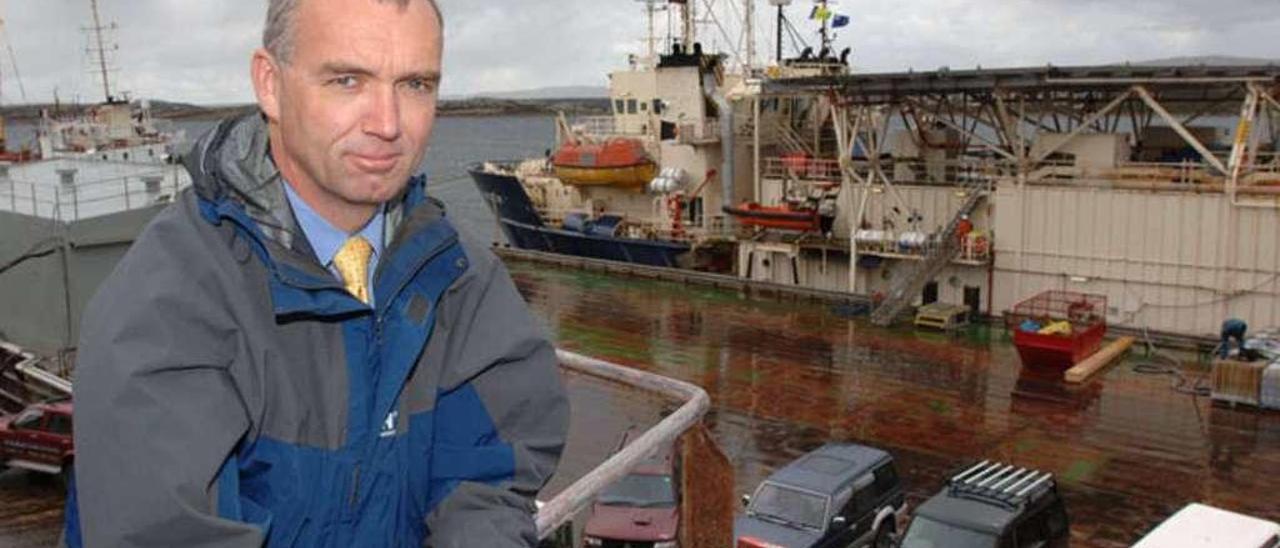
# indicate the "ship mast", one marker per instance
pixel 781 23
pixel 689 34
pixel 101 50
pixel 749 23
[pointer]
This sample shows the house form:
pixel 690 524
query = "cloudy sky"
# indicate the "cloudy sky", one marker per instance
pixel 198 50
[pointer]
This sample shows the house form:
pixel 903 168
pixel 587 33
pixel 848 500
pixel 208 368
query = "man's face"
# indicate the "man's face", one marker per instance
pixel 354 105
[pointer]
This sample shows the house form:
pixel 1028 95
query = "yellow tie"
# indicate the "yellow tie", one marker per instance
pixel 352 262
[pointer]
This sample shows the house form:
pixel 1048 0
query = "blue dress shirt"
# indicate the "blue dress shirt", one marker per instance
pixel 327 239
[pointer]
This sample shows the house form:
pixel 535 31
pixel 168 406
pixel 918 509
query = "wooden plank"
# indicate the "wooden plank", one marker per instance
pixel 1098 361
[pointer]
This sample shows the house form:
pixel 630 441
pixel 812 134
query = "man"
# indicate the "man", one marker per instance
pixel 302 351
pixel 1233 328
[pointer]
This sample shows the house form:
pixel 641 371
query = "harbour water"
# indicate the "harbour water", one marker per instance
pixel 784 377
pixel 456 143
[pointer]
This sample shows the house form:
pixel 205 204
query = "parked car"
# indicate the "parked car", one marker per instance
pixel 38 438
pixel 992 505
pixel 841 494
pixel 1201 526
pixel 640 510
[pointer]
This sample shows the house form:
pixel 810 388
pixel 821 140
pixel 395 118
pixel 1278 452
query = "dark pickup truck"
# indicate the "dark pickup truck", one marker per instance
pixel 38 438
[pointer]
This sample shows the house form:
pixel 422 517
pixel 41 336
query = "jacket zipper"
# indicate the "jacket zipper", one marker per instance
pixel 355 487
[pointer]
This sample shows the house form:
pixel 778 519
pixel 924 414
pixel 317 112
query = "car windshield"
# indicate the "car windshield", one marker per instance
pixel 643 490
pixel 29 418
pixel 927 533
pixel 789 507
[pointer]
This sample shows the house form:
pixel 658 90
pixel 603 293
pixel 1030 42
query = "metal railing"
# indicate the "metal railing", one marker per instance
pixel 707 131
pixel 24 381
pixel 608 126
pixel 83 199
pixel 802 168
pixel 1185 174
pixel 560 509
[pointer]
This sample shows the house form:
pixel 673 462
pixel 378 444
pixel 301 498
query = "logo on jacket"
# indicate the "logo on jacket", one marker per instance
pixel 389 425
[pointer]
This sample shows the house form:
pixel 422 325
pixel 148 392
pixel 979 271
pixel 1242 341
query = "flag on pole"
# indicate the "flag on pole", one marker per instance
pixel 840 21
pixel 820 13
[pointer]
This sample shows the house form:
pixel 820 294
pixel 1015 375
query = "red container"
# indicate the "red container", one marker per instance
pixel 1058 351
pixel 1086 313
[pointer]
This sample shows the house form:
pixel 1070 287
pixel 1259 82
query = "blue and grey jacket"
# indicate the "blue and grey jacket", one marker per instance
pixel 230 392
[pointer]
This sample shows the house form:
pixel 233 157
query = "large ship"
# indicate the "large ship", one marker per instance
pixel 71 203
pixel 1156 186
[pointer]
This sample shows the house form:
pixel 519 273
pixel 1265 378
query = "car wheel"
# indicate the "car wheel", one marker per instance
pixel 64 475
pixel 885 537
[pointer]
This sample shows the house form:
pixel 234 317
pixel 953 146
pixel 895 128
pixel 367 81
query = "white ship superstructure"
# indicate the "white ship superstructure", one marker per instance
pixel 1156 186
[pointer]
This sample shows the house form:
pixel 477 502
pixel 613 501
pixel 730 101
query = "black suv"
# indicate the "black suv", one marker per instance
pixel 841 494
pixel 992 505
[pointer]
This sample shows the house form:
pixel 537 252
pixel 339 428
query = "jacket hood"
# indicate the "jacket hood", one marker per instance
pixel 232 162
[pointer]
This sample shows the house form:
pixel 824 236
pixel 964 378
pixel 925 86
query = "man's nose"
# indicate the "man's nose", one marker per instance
pixel 382 120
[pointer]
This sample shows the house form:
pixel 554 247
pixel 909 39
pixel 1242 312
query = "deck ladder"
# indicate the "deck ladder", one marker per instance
pixel 938 252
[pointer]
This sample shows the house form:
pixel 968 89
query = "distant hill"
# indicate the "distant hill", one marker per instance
pixel 475 106
pixel 1212 60
pixel 557 92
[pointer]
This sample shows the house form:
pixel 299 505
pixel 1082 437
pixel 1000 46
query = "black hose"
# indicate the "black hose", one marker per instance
pixel 1180 382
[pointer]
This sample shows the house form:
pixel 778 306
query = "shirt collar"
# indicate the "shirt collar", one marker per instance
pixel 326 239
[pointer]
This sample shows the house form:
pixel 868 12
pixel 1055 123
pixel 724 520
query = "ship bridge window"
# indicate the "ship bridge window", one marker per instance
pixel 657 106
pixel 644 107
pixel 631 106
pixel 620 106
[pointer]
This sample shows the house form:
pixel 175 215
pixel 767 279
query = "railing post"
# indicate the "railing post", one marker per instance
pixel 127 205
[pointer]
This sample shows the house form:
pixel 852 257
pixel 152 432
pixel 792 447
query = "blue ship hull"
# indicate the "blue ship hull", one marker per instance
pixel 525 229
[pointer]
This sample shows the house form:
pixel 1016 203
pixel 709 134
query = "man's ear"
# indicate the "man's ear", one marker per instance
pixel 265 73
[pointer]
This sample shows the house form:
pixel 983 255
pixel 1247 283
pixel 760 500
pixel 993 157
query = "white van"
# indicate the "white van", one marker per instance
pixel 1198 525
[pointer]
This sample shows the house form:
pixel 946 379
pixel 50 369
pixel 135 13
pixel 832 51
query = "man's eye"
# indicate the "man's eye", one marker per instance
pixel 421 85
pixel 344 81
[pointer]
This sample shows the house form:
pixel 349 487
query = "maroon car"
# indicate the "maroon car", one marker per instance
pixel 638 511
pixel 38 438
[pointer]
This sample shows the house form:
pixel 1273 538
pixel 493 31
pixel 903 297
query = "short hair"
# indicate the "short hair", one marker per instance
pixel 277 33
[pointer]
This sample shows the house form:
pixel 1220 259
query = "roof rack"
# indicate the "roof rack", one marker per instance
pixel 998 483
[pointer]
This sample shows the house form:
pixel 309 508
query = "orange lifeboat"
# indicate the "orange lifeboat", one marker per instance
pixel 617 162
pixel 784 217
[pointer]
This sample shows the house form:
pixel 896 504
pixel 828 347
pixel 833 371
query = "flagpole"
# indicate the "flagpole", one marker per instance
pixel 781 19
pixel 826 42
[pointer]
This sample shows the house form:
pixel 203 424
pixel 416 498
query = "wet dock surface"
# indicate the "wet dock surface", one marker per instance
pixel 785 377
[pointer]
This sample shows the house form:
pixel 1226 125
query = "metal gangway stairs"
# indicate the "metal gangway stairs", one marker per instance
pixel 938 252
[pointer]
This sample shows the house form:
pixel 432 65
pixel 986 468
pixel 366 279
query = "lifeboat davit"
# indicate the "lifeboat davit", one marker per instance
pixel 783 217
pixel 617 162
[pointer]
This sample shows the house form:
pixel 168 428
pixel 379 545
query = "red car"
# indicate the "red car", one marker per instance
pixel 38 438
pixel 638 510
